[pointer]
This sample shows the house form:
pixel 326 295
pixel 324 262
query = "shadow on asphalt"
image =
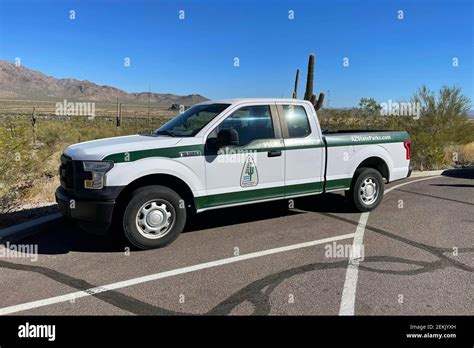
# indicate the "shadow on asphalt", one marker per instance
pixel 328 203
pixel 17 217
pixel 454 185
pixel 64 236
pixel 462 173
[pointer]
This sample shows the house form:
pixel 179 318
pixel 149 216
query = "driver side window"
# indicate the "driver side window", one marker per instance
pixel 250 123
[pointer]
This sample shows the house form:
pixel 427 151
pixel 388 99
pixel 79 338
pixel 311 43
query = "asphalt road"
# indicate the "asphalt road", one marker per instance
pixel 418 248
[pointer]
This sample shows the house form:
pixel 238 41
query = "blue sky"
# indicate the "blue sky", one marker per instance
pixel 388 58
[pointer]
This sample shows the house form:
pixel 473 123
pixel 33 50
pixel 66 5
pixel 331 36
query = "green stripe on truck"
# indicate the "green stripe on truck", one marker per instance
pixel 176 152
pixel 366 138
pixel 332 140
pixel 246 196
pixel 338 184
pixel 169 152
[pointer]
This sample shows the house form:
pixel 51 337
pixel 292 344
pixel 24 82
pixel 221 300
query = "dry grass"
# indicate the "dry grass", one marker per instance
pixel 33 178
pixel 460 155
pixel 44 187
pixel 42 191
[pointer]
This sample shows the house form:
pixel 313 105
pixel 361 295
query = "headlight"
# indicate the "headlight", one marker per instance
pixel 98 170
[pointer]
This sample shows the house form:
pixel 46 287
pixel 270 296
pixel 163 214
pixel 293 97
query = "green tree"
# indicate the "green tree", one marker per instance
pixel 443 121
pixel 369 106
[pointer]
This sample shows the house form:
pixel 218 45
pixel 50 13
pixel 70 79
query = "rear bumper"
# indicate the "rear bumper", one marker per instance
pixel 96 212
pixel 410 169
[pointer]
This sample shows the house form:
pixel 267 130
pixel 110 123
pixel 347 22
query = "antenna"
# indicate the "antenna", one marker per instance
pixel 295 90
pixel 149 97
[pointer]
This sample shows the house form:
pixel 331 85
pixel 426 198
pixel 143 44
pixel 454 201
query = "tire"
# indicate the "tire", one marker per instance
pixel 366 190
pixel 154 217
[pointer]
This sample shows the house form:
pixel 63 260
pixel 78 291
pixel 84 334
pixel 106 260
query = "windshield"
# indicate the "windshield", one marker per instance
pixel 190 122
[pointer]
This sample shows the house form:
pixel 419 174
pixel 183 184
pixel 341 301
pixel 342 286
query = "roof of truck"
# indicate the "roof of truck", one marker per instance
pixel 254 100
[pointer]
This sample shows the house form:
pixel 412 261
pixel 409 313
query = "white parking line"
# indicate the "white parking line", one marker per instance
pixel 161 275
pixel 350 284
pixel 352 273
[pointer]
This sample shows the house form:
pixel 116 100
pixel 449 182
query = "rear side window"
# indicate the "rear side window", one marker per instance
pixel 251 123
pixel 296 121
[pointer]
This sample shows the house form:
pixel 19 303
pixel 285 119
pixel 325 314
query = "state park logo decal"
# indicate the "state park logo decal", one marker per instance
pixel 249 175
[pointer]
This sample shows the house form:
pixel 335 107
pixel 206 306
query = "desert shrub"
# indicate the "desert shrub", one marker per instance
pixel 443 123
pixel 50 133
pixel 19 166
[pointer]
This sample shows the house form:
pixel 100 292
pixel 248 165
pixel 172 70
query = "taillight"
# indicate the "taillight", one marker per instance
pixel 407 146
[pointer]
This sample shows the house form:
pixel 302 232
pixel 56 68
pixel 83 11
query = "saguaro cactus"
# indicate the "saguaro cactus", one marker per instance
pixel 309 78
pixel 33 124
pixel 308 95
pixel 250 170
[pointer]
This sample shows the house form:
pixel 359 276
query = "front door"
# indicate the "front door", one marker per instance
pixel 254 169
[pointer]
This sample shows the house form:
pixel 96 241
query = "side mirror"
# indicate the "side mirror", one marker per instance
pixel 211 145
pixel 227 137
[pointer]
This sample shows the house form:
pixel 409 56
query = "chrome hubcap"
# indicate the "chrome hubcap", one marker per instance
pixel 369 191
pixel 155 219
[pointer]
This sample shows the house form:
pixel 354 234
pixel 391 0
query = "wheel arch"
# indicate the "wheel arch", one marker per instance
pixel 167 180
pixel 377 163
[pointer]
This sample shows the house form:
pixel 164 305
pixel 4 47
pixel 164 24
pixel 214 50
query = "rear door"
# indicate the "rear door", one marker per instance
pixel 304 150
pixel 255 169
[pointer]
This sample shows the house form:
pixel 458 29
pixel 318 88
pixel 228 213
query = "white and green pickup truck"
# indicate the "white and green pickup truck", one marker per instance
pixel 222 154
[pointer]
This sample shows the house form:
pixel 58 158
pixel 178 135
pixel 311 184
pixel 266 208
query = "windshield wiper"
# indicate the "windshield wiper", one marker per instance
pixel 165 132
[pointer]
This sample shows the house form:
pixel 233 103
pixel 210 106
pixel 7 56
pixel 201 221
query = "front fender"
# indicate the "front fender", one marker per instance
pixel 189 169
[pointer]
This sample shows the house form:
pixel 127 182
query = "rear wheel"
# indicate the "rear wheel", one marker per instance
pixel 154 217
pixel 366 190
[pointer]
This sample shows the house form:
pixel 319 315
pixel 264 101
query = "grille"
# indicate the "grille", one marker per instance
pixel 66 173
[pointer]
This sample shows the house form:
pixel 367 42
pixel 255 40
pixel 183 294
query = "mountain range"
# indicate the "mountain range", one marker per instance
pixel 19 82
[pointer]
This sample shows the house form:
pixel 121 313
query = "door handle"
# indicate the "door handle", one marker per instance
pixel 274 153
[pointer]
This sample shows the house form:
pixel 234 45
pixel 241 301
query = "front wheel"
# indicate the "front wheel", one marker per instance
pixel 366 190
pixel 154 217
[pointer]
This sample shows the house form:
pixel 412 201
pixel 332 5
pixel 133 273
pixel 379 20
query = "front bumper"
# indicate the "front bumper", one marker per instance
pixel 97 212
